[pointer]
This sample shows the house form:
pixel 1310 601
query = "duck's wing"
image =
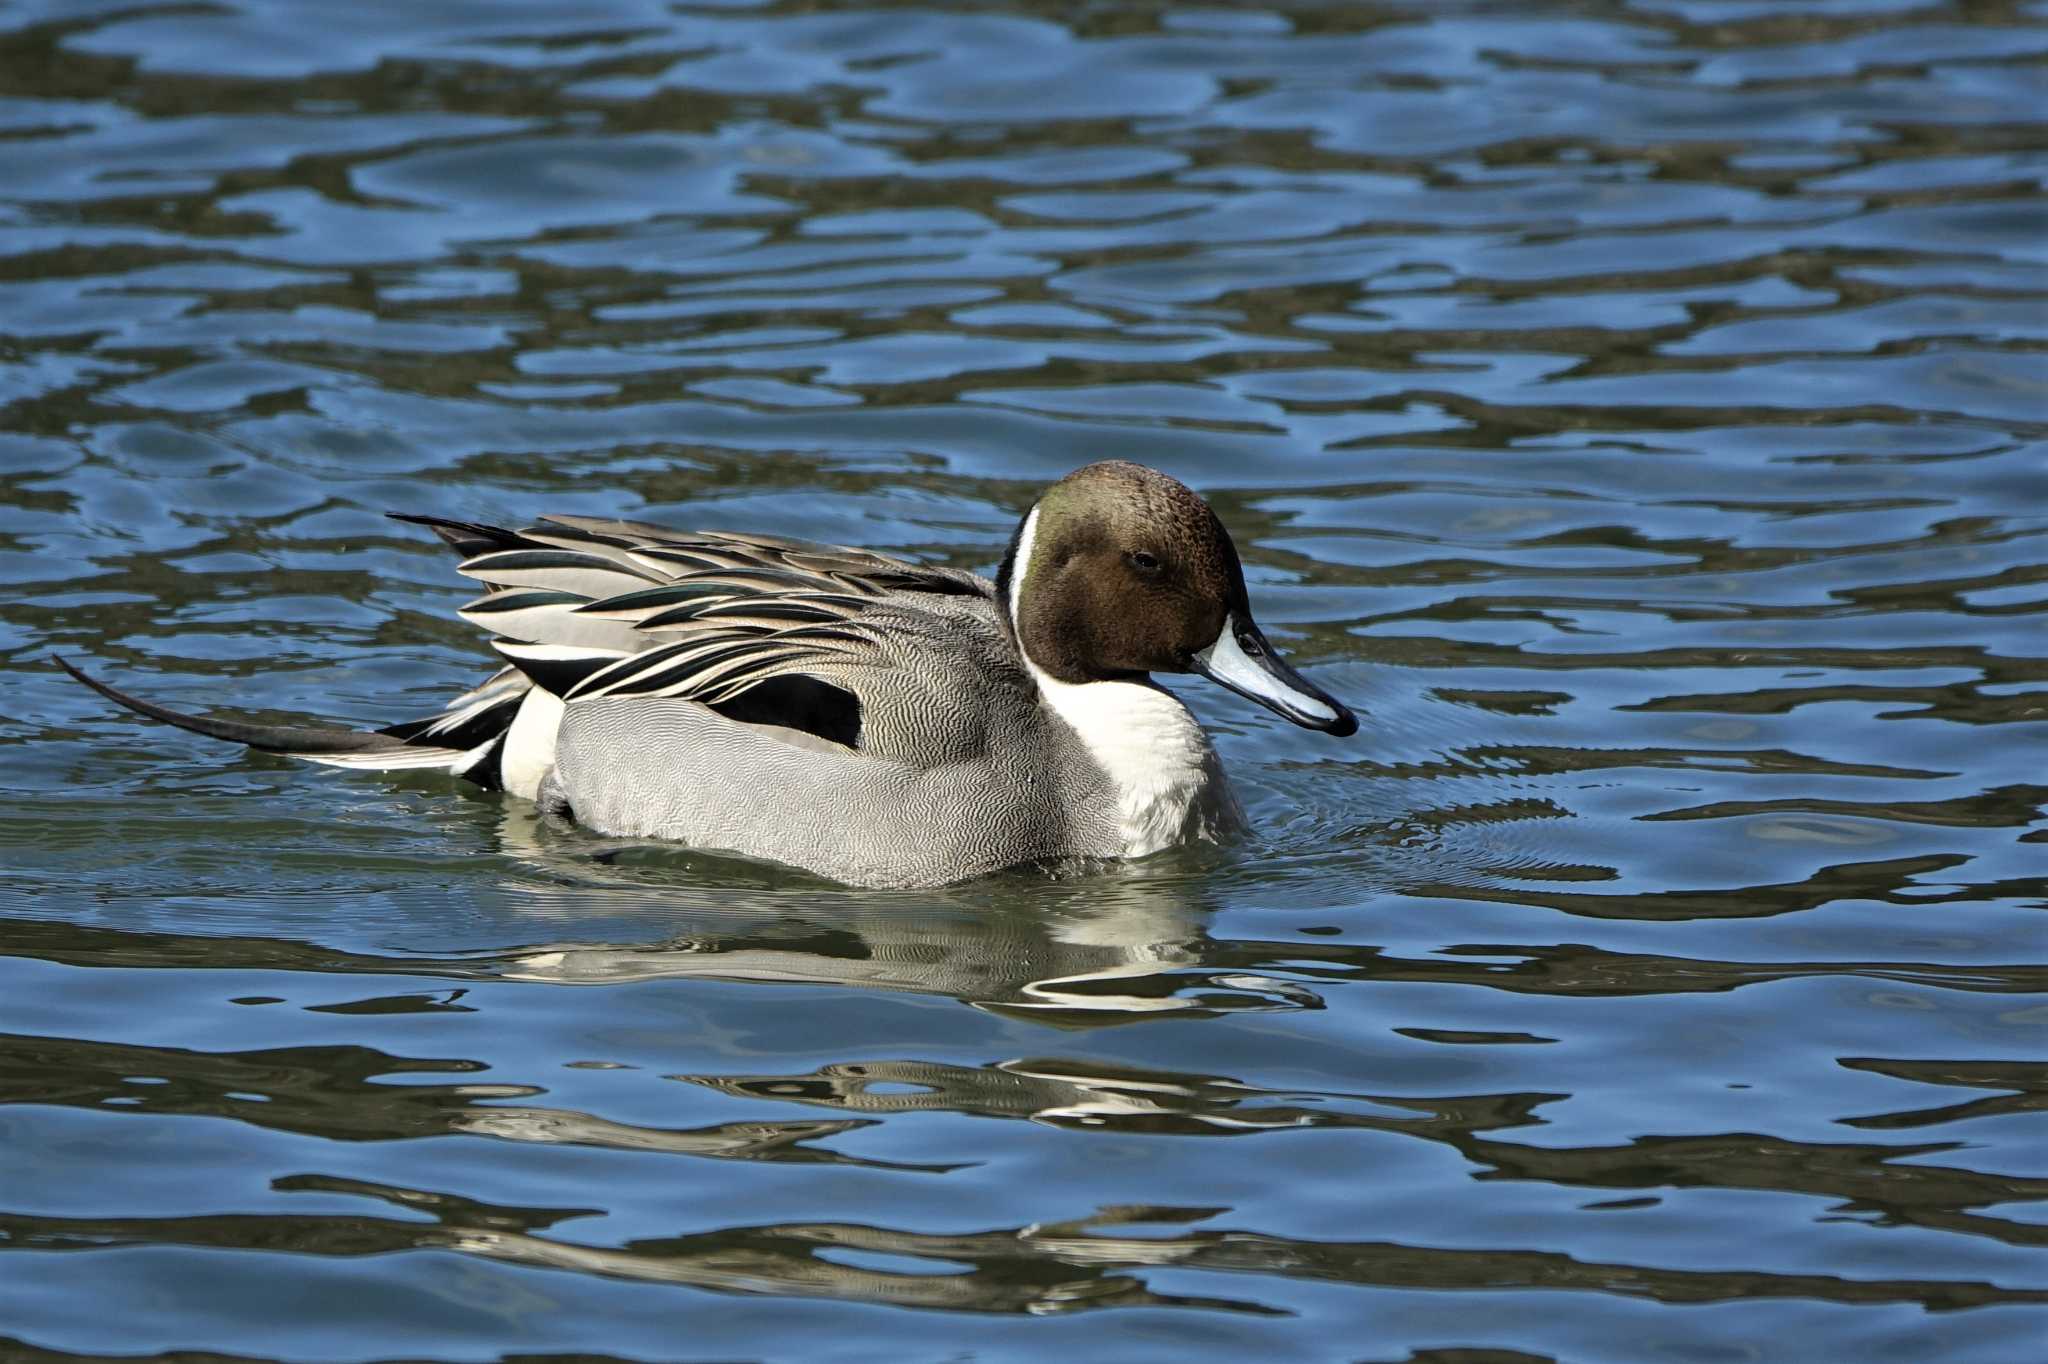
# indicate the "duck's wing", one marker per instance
pixel 803 637
pixel 585 606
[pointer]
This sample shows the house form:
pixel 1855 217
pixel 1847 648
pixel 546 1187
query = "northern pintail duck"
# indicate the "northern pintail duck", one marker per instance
pixel 875 720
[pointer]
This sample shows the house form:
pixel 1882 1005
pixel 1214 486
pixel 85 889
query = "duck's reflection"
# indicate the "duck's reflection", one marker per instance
pixel 788 1142
pixel 1115 945
pixel 360 1094
pixel 1059 1092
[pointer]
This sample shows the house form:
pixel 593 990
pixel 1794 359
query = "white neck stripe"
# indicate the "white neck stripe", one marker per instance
pixel 1020 564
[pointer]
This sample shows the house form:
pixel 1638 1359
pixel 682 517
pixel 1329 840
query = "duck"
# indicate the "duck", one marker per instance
pixel 871 719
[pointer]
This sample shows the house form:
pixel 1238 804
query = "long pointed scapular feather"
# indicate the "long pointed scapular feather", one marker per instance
pixel 468 537
pixel 668 559
pixel 560 570
pixel 541 617
pixel 556 668
pixel 635 605
pixel 619 552
pixel 614 528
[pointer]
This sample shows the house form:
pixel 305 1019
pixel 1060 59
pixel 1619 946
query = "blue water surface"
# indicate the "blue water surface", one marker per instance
pixel 1636 409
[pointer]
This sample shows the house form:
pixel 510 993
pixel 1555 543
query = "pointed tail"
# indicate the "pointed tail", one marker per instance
pixel 465 743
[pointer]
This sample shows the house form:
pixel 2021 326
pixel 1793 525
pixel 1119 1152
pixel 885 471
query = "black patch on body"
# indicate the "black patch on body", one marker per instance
pixel 798 702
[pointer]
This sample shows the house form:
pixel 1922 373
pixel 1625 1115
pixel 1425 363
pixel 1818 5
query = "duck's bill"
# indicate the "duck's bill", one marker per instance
pixel 1243 661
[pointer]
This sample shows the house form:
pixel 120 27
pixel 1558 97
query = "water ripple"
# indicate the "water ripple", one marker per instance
pixel 1636 408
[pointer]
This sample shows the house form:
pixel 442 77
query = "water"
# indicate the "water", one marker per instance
pixel 1637 410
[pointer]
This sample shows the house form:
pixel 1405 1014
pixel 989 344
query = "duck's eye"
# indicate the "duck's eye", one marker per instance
pixel 1144 561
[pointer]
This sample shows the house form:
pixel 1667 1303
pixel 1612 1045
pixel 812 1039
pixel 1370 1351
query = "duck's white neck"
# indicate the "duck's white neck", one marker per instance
pixel 1170 786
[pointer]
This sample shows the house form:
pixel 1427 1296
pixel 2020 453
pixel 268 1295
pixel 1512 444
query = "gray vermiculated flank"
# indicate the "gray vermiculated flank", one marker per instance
pixel 961 771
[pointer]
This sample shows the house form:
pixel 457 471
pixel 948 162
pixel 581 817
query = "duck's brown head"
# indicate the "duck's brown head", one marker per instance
pixel 1119 571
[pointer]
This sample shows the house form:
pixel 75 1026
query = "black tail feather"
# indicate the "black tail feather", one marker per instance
pixel 294 739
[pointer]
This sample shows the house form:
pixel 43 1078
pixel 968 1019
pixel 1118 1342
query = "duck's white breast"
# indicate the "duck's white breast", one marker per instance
pixel 1170 786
